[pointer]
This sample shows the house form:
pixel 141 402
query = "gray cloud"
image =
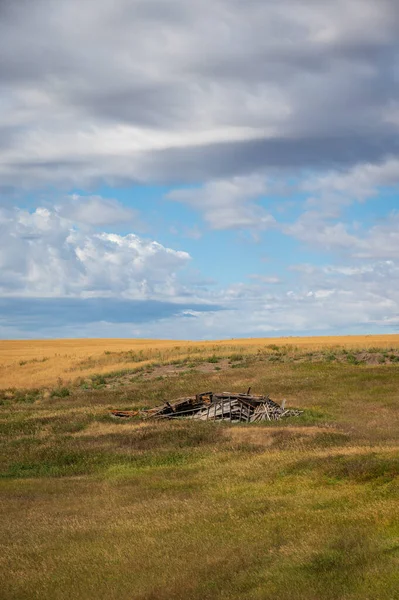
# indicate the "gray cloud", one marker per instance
pixel 221 159
pixel 50 316
pixel 152 91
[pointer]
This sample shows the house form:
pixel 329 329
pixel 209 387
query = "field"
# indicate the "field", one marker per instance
pixel 97 508
pixel 43 363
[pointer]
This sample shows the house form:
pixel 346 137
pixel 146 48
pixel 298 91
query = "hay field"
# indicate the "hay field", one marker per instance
pixel 29 364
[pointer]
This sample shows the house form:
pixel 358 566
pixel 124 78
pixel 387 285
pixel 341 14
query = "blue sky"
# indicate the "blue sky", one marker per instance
pixel 198 170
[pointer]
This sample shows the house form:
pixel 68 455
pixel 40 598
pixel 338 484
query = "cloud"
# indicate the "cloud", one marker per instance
pixel 339 188
pixel 321 224
pixel 95 211
pixel 43 254
pixel 241 103
pixel 73 317
pixel 380 242
pixel 228 204
pixel 264 279
pixel 58 280
pixel 313 228
pixel 155 91
pixel 325 300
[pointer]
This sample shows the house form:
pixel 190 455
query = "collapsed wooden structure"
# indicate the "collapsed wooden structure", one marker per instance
pixel 224 406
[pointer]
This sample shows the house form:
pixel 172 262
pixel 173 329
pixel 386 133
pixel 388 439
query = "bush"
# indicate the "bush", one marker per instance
pixel 62 392
pixel 351 359
pixel 214 359
pixel 98 380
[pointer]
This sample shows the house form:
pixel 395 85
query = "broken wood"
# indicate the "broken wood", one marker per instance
pixel 124 414
pixel 224 406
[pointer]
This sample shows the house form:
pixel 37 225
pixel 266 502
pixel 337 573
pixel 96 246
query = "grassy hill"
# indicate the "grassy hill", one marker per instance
pixel 302 509
pixel 28 364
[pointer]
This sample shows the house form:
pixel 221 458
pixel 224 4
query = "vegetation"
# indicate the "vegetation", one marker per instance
pixel 99 508
pixel 32 364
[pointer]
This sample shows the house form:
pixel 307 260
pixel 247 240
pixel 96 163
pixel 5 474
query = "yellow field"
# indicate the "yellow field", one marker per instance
pixel 27 364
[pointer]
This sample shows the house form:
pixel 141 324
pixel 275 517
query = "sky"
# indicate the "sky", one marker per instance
pixel 198 170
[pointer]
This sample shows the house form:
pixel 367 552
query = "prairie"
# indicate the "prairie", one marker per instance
pixel 42 363
pixel 93 507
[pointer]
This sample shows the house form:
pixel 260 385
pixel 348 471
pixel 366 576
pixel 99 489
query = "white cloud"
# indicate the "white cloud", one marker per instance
pixel 312 227
pixel 320 303
pixel 322 224
pixel 265 279
pixel 228 204
pixel 95 211
pixel 380 242
pixel 356 184
pixel 43 254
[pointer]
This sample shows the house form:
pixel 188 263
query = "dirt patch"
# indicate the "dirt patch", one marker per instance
pixel 207 367
pixel 173 370
pixel 166 371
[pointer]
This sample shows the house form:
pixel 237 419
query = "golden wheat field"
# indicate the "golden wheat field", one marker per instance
pixel 27 364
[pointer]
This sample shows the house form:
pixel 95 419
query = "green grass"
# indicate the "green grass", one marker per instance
pixel 93 507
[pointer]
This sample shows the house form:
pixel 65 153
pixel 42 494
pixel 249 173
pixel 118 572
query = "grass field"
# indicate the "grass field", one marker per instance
pixel 95 508
pixel 43 363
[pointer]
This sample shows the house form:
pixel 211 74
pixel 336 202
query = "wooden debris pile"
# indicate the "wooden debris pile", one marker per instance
pixel 224 406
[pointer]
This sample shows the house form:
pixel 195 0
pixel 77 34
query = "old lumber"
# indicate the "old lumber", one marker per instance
pixel 124 414
pixel 222 406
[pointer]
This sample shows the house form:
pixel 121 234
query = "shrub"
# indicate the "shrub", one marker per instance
pixel 214 359
pixel 98 380
pixel 351 359
pixel 62 392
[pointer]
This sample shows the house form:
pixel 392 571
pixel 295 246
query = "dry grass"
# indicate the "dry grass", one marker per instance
pixel 28 364
pixel 94 508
